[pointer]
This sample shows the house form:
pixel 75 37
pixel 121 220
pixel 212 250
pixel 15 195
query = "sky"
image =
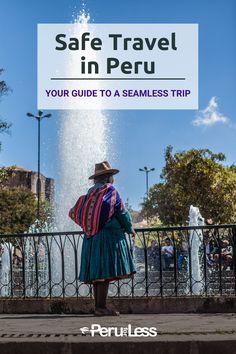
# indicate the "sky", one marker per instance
pixel 139 136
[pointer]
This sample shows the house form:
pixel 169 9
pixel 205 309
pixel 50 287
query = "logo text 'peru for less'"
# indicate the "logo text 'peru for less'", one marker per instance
pixel 128 331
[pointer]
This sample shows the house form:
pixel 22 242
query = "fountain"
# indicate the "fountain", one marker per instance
pixel 195 242
pixel 5 274
pixel 82 141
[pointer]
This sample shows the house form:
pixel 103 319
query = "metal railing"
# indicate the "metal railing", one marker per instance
pixel 201 261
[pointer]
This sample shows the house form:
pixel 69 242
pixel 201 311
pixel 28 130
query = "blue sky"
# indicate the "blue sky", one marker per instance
pixel 140 137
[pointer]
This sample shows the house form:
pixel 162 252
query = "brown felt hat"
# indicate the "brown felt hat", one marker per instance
pixel 103 168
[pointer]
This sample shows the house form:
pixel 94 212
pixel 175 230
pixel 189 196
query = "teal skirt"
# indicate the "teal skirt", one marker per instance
pixel 106 256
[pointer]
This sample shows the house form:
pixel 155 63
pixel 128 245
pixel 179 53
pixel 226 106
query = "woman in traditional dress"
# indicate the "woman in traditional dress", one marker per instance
pixel 106 255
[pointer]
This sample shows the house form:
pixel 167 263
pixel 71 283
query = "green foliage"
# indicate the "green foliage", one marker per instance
pixel 194 177
pixel 18 210
pixel 46 217
pixel 5 174
pixel 4 126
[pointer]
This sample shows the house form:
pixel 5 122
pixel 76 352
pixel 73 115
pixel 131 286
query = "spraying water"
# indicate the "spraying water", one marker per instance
pixel 196 240
pixel 83 141
pixel 6 257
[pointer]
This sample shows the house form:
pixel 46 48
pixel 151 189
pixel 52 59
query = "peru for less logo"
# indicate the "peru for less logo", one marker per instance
pixel 119 332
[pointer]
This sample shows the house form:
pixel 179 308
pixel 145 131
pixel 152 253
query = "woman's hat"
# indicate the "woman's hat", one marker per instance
pixel 103 168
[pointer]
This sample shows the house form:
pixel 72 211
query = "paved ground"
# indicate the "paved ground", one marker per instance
pixel 177 333
pixel 71 324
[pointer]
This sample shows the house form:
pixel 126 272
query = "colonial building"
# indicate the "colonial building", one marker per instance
pixel 25 178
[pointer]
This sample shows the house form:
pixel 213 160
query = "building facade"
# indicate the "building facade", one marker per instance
pixel 26 178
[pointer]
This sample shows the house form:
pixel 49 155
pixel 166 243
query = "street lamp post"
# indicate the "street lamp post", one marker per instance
pixel 39 117
pixel 147 170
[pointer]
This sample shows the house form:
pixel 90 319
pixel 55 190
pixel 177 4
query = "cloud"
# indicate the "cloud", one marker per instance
pixel 210 115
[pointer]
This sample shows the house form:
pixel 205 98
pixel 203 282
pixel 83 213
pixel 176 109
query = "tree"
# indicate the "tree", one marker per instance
pixel 5 174
pixel 4 89
pixel 17 209
pixel 3 86
pixel 18 206
pixel 195 177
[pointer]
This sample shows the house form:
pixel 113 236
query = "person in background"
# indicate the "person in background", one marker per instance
pixel 153 256
pixel 182 254
pixel 168 253
pixel 226 254
pixel 208 243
